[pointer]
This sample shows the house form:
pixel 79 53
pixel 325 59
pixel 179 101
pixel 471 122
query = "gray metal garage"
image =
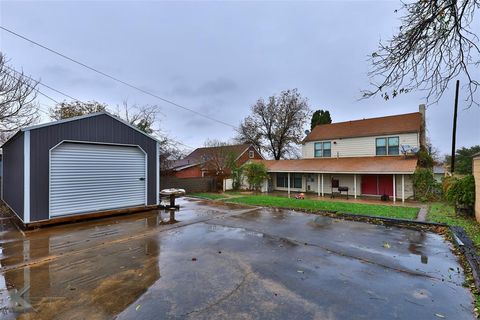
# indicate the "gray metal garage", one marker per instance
pixel 69 169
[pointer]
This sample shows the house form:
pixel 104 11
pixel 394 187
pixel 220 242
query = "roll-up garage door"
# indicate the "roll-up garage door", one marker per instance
pixel 94 177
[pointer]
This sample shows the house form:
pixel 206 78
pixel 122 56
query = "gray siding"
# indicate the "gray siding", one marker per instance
pixel 102 128
pixel 12 179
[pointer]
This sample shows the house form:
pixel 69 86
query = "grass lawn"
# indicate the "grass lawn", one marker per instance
pixel 309 204
pixel 445 213
pixel 210 196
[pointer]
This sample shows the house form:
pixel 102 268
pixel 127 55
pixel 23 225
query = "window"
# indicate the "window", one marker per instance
pixel 393 143
pixel 295 180
pixel 251 154
pixel 381 146
pixel 323 149
pixel 282 180
pixel 388 146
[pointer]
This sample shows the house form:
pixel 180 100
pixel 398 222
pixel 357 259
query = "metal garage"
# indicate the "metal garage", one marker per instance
pixel 77 167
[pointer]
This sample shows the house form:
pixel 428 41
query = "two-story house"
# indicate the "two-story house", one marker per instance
pixel 372 157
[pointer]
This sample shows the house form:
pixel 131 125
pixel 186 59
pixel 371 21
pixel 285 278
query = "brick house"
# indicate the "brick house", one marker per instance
pixel 372 157
pixel 212 161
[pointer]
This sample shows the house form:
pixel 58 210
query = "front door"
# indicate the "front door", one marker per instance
pixel 377 184
pixel 385 184
pixel 369 184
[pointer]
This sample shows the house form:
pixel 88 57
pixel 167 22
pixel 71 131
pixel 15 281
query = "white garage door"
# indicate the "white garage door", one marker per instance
pixel 92 177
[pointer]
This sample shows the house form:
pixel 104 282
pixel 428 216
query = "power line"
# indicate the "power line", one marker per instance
pixel 47 96
pixel 117 79
pixel 41 83
pixel 33 88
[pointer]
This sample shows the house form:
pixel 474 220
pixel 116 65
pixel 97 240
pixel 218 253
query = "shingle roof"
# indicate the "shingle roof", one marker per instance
pixel 387 164
pixel 197 155
pixel 403 123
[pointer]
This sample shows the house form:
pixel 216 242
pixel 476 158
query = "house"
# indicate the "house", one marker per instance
pixel 439 172
pixel 75 168
pixel 372 157
pixel 476 176
pixel 213 161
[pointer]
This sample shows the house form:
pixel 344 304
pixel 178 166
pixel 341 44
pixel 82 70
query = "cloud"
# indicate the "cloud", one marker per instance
pixel 213 87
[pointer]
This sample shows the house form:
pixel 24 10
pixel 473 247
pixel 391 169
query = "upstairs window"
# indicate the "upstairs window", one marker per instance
pixel 323 149
pixel 381 146
pixel 251 154
pixel 387 146
pixel 393 144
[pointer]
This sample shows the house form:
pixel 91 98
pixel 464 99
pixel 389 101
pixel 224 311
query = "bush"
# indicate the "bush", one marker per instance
pixel 425 186
pixel 461 193
pixel 425 160
pixel 256 174
pixel 237 178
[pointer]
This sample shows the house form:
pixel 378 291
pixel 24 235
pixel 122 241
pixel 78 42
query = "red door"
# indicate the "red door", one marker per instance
pixel 385 184
pixel 369 184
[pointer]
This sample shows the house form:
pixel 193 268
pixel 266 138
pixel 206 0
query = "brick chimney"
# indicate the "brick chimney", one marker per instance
pixel 423 137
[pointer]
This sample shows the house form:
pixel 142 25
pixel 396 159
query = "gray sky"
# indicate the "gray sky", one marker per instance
pixel 218 58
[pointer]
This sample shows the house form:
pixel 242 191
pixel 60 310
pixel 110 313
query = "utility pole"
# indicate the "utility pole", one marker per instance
pixel 454 133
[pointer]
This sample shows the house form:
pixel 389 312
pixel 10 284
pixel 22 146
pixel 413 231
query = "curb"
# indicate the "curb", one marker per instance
pixel 465 245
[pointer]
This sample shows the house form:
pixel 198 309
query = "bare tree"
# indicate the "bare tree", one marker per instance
pixel 17 100
pixel 65 109
pixel 219 157
pixel 144 117
pixel 170 151
pixel 276 126
pixel 434 45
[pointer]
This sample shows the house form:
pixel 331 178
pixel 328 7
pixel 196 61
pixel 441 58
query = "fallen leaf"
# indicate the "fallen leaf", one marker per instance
pixel 439 315
pixel 137 308
pixel 300 271
pixel 386 245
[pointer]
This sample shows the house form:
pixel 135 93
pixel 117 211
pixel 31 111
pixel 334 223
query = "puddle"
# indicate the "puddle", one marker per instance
pixel 261 264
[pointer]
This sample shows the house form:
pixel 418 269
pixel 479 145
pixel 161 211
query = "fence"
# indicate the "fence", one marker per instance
pixel 191 185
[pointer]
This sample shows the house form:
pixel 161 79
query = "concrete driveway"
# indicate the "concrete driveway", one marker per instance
pixel 229 262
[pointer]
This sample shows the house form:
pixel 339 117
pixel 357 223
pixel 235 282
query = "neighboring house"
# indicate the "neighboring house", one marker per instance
pixel 476 175
pixel 93 164
pixel 372 157
pixel 439 172
pixel 212 161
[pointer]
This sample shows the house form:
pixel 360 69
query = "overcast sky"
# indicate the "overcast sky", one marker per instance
pixel 218 58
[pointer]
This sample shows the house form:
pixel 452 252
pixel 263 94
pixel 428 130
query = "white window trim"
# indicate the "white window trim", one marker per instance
pixel 321 143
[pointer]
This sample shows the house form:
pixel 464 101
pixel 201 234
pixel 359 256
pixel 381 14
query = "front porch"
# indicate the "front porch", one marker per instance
pixel 361 186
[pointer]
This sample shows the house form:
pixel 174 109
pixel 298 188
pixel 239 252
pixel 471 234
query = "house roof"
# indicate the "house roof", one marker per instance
pixel 197 156
pixel 387 164
pixel 403 123
pixel 52 123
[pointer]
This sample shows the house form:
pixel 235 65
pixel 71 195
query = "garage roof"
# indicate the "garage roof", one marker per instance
pixel 387 164
pixel 53 123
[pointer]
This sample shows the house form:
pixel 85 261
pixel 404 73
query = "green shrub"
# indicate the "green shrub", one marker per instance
pixel 256 174
pixel 425 186
pixel 237 173
pixel 461 192
pixel 425 160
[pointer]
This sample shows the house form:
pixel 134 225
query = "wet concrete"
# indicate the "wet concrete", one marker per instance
pixel 229 262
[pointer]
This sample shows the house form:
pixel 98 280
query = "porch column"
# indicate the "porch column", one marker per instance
pixel 403 188
pixel 394 193
pixel 318 184
pixel 322 186
pixel 289 184
pixel 355 185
